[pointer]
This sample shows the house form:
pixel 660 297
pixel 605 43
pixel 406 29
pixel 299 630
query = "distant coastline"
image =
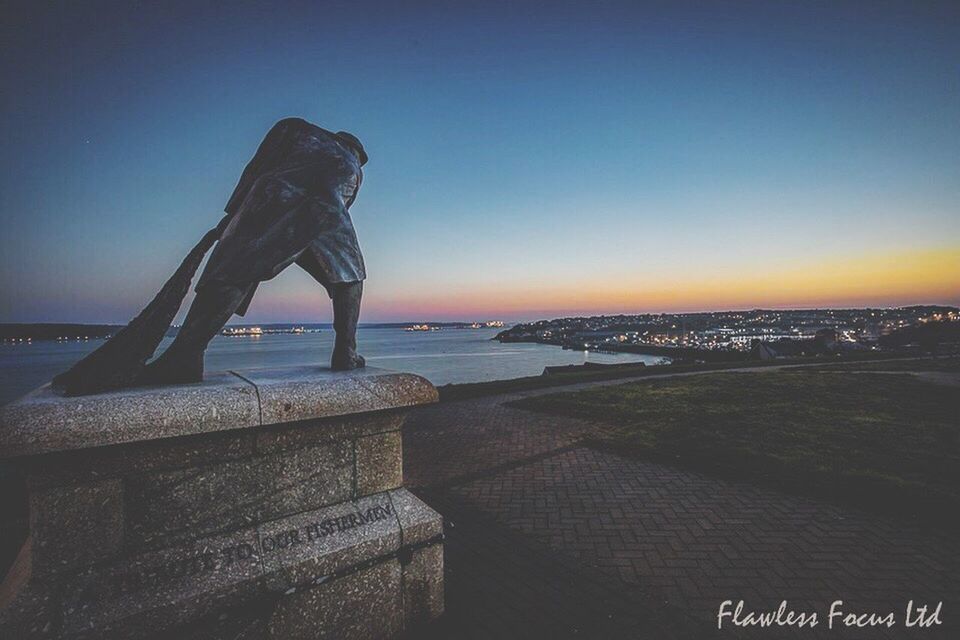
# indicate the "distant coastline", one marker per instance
pixel 72 331
pixel 724 336
pixel 56 331
pixel 705 335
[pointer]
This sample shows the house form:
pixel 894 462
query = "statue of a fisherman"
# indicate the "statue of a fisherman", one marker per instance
pixel 290 206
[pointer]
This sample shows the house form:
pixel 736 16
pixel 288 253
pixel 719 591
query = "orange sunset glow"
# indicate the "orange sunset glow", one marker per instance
pixel 894 279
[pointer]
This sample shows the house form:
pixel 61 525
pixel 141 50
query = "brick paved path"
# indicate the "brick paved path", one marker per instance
pixel 503 584
pixel 553 538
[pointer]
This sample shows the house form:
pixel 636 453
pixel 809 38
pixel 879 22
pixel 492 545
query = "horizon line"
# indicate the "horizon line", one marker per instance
pixel 501 319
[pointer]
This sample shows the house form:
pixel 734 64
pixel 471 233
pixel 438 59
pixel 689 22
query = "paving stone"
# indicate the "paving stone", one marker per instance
pixel 500 583
pixel 448 442
pixel 688 540
pixel 594 483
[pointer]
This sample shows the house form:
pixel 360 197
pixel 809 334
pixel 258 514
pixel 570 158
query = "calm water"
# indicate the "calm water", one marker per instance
pixel 450 355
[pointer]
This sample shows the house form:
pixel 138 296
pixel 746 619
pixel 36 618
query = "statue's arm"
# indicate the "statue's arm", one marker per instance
pixel 243 257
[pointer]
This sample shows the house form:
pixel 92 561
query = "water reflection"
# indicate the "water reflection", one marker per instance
pixel 451 355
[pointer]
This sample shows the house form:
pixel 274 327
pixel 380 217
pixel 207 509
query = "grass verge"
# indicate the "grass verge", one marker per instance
pixel 464 391
pixel 945 364
pixel 451 392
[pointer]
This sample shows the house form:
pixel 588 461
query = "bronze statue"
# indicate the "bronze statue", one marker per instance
pixel 290 206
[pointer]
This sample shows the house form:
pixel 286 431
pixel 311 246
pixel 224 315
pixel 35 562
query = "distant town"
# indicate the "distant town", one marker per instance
pixel 758 334
pixel 240 332
pixel 437 326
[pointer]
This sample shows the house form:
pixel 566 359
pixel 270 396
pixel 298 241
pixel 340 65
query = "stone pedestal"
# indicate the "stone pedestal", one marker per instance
pixel 258 504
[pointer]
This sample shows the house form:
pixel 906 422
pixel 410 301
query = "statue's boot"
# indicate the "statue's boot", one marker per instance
pixel 183 360
pixel 346 314
pixel 173 368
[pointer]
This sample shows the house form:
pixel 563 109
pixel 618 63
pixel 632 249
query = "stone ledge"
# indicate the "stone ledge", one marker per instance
pixel 44 422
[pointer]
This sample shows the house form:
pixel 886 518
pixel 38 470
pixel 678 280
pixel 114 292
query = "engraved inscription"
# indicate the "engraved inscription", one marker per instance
pixel 190 566
pixel 213 560
pixel 317 530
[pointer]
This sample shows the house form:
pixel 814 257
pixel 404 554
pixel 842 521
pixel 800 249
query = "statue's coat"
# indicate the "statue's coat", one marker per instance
pixel 291 205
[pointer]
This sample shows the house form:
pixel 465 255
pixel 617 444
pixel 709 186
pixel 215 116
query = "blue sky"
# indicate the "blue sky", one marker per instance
pixel 524 156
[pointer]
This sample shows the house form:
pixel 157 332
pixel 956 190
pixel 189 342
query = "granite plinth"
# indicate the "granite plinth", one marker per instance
pixel 44 422
pixel 272 493
pixel 368 603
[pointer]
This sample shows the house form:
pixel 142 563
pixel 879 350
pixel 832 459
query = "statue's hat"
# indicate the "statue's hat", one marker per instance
pixel 354 142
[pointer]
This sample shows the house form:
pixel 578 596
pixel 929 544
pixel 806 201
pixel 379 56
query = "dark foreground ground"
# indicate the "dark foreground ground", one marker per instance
pixel 555 531
pixel 585 515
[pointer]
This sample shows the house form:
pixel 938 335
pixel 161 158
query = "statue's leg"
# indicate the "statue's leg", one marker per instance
pixel 183 360
pixel 346 314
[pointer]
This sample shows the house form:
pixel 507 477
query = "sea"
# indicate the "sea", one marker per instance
pixel 449 355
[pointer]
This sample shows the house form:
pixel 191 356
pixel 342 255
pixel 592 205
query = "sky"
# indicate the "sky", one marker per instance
pixel 527 159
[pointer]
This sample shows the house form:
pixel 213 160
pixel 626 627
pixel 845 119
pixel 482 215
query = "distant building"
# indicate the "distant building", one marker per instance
pixel 827 336
pixel 766 350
